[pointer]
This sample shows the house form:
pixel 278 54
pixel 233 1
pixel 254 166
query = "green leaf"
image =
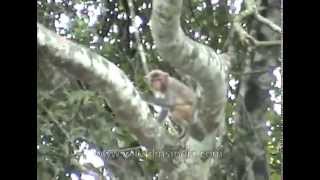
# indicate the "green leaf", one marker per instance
pixel 275 176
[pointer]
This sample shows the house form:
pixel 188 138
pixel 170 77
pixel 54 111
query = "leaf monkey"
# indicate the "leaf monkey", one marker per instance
pixel 177 101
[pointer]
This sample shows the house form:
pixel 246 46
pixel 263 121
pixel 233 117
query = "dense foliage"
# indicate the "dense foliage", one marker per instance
pixel 71 112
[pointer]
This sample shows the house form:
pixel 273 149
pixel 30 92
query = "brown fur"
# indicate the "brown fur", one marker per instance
pixel 178 95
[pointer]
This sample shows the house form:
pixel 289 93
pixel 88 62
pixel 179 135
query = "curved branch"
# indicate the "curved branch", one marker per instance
pixel 106 77
pixel 268 43
pixel 267 22
pixel 191 58
pixel 245 36
pixel 205 66
pixel 251 9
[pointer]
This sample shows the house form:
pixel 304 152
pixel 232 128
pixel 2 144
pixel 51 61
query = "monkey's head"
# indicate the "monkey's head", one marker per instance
pixel 157 80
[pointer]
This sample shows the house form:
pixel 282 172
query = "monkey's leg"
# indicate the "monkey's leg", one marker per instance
pixel 182 129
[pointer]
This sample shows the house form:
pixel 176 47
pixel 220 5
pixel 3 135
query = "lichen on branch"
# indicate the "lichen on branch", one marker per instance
pixel 105 77
pixel 199 61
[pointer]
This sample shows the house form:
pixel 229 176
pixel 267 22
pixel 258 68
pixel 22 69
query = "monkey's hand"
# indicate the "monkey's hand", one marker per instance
pixel 158 101
pixel 163 114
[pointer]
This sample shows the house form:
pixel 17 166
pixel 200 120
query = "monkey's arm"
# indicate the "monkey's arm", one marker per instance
pixel 163 114
pixel 155 100
pixel 165 106
pixel 159 101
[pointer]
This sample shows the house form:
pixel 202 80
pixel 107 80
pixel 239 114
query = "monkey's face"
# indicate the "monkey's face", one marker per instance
pixel 157 80
pixel 157 84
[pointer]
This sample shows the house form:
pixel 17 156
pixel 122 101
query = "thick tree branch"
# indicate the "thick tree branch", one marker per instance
pixel 192 58
pixel 205 66
pixel 106 77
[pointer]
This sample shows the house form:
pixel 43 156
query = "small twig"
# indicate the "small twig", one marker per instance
pixel 268 43
pixel 251 9
pixel 54 120
pixel 58 87
pixel 136 34
pixel 244 35
pixel 267 22
pixel 249 72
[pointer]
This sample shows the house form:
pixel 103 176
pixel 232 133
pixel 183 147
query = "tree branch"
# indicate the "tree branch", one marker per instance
pixel 267 22
pixel 201 62
pixel 251 9
pixel 106 77
pixel 205 66
pixel 138 40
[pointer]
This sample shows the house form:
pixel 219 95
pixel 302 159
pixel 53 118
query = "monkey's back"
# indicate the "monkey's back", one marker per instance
pixel 183 93
pixel 184 99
